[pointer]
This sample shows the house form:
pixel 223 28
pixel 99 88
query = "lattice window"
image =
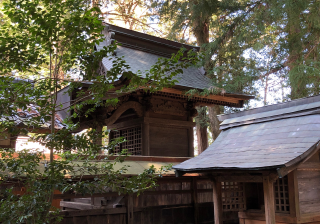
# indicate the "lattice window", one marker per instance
pixel 281 195
pixel 133 140
pixel 233 198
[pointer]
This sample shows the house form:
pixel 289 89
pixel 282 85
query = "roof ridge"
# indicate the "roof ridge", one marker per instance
pixel 272 107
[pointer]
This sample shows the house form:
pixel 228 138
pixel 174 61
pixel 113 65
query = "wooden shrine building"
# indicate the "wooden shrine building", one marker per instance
pixel 158 123
pixel 265 164
pixel 158 127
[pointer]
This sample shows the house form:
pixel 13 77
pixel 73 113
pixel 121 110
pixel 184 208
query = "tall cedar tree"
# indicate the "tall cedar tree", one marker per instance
pixel 45 46
pixel 246 41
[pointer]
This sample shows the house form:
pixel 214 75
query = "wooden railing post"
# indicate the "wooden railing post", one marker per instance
pixel 268 190
pixel 217 201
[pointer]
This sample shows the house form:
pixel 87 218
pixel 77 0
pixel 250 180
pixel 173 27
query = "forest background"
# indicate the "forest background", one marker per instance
pixel 264 48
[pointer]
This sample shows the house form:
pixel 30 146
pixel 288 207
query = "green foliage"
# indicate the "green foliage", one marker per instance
pixel 44 47
pixel 251 40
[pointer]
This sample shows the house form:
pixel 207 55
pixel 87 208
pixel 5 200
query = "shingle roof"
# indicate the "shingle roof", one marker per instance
pixel 139 60
pixel 272 139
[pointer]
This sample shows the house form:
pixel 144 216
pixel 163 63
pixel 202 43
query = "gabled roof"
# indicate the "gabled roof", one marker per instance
pixel 269 137
pixel 141 51
pixel 139 60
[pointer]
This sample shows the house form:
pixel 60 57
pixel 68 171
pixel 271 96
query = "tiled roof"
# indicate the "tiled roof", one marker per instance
pixel 24 118
pixel 272 139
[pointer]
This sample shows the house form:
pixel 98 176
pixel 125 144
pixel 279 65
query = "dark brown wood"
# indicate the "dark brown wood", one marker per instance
pixel 168 141
pixel 167 122
pixel 148 158
pixel 268 190
pixel 138 108
pixel 211 97
pixel 165 192
pixel 94 212
pixel 194 199
pixel 240 178
pixel 217 202
pixel 130 209
pixel 191 142
pixel 145 139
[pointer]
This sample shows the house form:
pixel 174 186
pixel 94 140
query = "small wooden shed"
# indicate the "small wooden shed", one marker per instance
pixel 265 164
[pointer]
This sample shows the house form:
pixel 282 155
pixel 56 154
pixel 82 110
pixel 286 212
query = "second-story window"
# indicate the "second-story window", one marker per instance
pixel 133 140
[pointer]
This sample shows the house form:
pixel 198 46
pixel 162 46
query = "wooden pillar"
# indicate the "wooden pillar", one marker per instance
pixel 145 139
pixel 293 194
pixel 217 201
pixel 13 141
pixel 130 208
pixel 194 197
pixel 191 142
pixel 99 140
pixel 269 204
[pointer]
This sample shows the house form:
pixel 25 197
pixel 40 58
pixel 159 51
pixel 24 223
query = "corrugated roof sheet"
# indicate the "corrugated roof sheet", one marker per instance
pixel 272 143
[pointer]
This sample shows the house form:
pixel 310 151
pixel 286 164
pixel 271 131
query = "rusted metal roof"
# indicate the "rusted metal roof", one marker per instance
pixel 262 140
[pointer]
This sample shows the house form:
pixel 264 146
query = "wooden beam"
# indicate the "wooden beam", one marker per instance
pixel 147 158
pixel 211 97
pixel 258 217
pixel 217 201
pixel 269 202
pixel 77 205
pixel 70 196
pixel 167 122
pixel 243 178
pixel 312 166
pixel 93 212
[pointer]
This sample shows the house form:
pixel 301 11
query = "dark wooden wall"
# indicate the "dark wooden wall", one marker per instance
pixel 175 200
pixel 168 141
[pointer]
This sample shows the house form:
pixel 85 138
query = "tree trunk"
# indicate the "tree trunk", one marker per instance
pixel 201 130
pixel 214 123
pixel 200 28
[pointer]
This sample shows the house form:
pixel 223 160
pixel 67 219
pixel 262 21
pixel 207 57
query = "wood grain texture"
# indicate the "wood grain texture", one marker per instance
pixel 168 141
pixel 217 202
pixel 309 191
pixel 293 194
pixel 268 190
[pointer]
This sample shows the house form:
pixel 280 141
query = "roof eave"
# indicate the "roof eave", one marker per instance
pixel 181 172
